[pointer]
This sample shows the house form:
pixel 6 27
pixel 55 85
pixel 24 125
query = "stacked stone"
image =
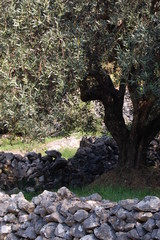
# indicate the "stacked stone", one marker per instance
pixel 153 154
pixel 52 170
pixel 94 157
pixel 16 170
pixel 62 215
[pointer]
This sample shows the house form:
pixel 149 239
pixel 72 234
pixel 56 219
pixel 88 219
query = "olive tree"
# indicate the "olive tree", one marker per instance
pixel 117 47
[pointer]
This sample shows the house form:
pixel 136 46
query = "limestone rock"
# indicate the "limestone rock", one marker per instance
pixel 88 237
pixel 104 232
pixel 149 203
pixel 62 231
pixel 77 231
pixel 91 222
pixel 48 230
pixel 80 215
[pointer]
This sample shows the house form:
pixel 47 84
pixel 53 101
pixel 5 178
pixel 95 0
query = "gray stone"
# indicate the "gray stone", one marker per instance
pixel 148 204
pixel 156 216
pixel 40 238
pixel 53 153
pixel 16 227
pixel 88 237
pixel 12 208
pixel 39 210
pixel 77 231
pixel 129 226
pixel 3 197
pixel 39 225
pixel 10 218
pixel 117 224
pixel 5 229
pixel 142 216
pixel 122 236
pixel 133 234
pixel 102 213
pixel 64 192
pixel 70 220
pixel 121 214
pixel 30 189
pixel 9 157
pixel 108 204
pixel 104 232
pixel 147 236
pixel 41 179
pixel 130 217
pixel 114 210
pixel 94 197
pixel 54 217
pixel 48 230
pixel 51 208
pixel 29 232
pixel 91 222
pixel 3 208
pixel 128 204
pixel 158 223
pixel 140 229
pixel 149 225
pixel 80 215
pixel 156 234
pixel 11 236
pixel 84 205
pixel 23 204
pixel 62 231
pixel 73 219
pixel 23 218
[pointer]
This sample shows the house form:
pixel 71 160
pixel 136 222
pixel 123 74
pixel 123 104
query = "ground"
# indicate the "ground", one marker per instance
pixel 147 177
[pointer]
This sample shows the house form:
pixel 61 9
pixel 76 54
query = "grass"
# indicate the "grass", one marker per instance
pixel 68 152
pixel 6 144
pixel 107 192
pixel 115 193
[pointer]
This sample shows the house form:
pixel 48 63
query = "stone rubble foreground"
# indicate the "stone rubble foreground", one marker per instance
pixel 62 215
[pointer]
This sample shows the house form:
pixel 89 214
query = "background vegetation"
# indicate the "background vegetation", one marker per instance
pixel 35 98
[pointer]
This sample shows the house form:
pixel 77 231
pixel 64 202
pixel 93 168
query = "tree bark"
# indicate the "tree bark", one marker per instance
pixel 133 143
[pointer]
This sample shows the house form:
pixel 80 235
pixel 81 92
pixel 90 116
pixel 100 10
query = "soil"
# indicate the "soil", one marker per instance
pixel 146 178
pixel 69 142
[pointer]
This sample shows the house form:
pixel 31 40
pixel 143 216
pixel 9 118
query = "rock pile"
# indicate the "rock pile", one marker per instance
pixel 94 157
pixel 62 215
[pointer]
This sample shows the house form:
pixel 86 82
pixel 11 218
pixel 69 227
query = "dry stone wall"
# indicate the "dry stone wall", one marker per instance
pixel 61 215
pixel 45 172
pixel 94 157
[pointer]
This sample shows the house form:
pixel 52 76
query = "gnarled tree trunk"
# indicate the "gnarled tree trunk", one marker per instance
pixel 133 142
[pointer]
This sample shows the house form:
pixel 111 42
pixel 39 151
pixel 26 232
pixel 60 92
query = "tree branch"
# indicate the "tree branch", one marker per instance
pixel 153 128
pixel 90 93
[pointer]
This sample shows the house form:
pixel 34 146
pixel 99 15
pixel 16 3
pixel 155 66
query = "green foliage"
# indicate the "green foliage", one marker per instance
pixel 36 92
